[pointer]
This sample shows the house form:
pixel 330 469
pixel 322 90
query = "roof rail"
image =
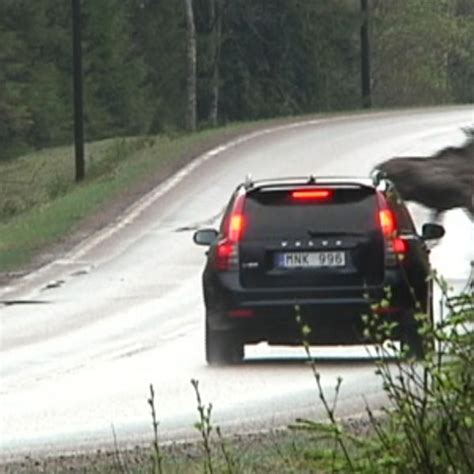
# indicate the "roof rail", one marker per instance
pixel 248 184
pixel 377 176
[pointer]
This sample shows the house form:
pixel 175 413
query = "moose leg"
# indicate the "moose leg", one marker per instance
pixel 436 216
pixel 469 213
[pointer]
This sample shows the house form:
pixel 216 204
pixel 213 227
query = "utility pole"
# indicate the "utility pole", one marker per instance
pixel 78 98
pixel 365 55
pixel 191 65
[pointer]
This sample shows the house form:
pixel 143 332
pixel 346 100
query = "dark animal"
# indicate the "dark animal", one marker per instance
pixel 441 182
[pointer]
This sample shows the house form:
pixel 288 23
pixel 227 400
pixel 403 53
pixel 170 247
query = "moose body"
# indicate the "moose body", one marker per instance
pixel 441 182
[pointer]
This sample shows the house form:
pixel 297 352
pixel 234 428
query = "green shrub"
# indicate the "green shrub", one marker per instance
pixel 428 426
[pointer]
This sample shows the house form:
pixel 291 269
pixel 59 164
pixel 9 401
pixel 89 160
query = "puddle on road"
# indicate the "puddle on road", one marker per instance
pixel 23 302
pixel 53 284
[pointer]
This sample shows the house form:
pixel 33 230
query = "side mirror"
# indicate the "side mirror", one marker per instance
pixel 432 231
pixel 205 236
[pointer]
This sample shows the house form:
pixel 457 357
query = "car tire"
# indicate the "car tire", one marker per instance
pixel 223 347
pixel 414 344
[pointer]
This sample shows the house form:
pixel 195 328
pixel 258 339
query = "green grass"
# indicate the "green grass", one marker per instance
pixel 40 203
pixel 282 452
pixel 279 452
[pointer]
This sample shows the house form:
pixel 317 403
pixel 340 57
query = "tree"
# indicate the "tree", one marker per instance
pixel 15 115
pixel 116 89
pixel 412 42
pixel 461 58
pixel 160 32
pixel 237 60
pixel 287 57
pixel 33 89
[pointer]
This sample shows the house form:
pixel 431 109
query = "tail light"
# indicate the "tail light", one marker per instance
pixel 399 245
pixel 395 246
pixel 387 222
pixel 227 249
pixel 226 255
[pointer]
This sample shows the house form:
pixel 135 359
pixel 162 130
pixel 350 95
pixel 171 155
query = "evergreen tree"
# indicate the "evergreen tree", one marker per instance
pixel 255 59
pixel 160 28
pixel 117 99
pixel 461 55
pixel 33 93
pixel 412 42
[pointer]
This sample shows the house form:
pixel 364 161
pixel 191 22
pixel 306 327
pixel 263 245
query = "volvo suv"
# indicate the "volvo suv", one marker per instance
pixel 327 248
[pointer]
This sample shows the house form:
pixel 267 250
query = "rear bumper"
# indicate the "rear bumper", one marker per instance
pixel 333 315
pixel 319 328
pixel 338 322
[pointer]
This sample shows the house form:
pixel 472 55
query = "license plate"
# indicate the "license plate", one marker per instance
pixel 310 259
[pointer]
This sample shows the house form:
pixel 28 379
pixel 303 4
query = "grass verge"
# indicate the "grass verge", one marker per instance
pixel 40 204
pixel 279 451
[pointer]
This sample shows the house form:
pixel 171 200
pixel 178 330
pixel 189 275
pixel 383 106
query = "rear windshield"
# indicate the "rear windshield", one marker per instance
pixel 276 213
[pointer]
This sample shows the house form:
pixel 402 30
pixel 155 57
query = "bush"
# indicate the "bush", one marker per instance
pixel 428 426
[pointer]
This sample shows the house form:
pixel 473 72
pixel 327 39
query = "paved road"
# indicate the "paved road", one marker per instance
pixel 89 333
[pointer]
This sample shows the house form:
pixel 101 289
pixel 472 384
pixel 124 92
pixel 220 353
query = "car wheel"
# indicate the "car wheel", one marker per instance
pixel 223 347
pixel 412 342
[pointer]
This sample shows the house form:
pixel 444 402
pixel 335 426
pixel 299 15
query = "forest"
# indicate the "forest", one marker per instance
pixel 255 59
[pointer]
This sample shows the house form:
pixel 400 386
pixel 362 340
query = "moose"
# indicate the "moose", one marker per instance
pixel 441 182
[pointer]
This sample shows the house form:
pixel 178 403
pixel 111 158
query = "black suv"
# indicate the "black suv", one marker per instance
pixel 331 246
